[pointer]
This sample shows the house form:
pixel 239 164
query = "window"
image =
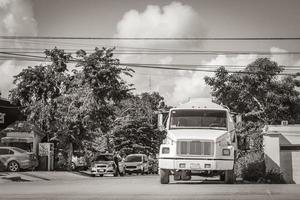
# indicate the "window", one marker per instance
pixel 290 147
pixel 104 157
pixel 190 118
pixel 6 152
pixel 133 158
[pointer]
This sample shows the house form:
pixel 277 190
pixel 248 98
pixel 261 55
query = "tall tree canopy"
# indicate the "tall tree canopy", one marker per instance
pixel 260 95
pixel 76 106
pixel 136 125
pixel 258 92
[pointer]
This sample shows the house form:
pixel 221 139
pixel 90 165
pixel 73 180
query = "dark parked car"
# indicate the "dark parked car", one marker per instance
pixel 13 159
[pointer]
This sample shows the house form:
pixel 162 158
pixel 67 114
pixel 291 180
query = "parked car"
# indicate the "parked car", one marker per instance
pixel 153 166
pixel 79 161
pixel 104 164
pixel 13 159
pixel 137 163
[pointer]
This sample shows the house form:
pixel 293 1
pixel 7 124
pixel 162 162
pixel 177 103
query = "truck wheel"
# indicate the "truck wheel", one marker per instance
pixel 229 177
pixel 164 176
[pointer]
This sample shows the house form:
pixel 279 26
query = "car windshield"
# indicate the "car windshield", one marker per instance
pixel 198 119
pixel 104 158
pixel 19 150
pixel 133 159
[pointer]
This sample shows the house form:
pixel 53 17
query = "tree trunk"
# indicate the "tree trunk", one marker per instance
pixel 70 154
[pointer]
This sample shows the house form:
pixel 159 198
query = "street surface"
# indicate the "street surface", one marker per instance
pixel 74 186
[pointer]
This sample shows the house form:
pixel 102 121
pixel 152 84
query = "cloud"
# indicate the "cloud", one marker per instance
pixel 173 20
pixel 16 18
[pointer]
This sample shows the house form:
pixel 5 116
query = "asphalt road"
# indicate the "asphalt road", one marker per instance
pixel 143 187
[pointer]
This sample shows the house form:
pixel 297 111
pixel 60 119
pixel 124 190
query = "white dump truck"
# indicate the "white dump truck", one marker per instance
pixel 201 140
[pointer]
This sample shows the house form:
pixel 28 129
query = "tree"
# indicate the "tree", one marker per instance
pixel 136 125
pixel 38 87
pixel 262 97
pixel 258 94
pixel 73 108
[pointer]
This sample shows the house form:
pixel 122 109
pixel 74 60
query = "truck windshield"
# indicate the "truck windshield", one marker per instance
pixel 215 119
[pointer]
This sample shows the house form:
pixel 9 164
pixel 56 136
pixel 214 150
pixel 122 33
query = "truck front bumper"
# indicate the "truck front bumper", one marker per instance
pixel 195 164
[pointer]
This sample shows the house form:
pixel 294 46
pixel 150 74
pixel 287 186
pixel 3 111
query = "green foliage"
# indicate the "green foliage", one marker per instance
pixel 252 166
pixel 259 95
pixel 136 125
pixel 262 96
pixel 72 107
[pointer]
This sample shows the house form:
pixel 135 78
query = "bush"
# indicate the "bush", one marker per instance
pixel 273 176
pixel 251 166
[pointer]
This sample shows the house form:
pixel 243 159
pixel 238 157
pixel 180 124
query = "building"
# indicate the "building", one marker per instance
pixel 282 151
pixel 8 114
pixel 24 135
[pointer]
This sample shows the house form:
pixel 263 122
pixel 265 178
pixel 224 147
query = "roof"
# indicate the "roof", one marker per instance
pixel 17 139
pixel 201 103
pixel 23 126
pixel 279 129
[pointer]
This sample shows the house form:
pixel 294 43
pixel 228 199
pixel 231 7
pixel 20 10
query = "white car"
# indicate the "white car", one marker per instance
pixel 137 163
pixel 104 164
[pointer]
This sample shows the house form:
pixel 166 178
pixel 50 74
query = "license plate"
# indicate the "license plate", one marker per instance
pixel 195 166
pixel 100 170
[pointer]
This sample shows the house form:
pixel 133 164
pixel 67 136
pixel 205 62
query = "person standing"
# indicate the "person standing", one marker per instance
pixel 116 161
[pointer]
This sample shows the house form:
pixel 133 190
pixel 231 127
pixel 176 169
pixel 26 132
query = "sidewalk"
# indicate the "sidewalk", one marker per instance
pixel 41 176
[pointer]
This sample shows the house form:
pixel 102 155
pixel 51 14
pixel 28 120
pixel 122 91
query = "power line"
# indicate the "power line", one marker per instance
pixel 42 58
pixel 144 38
pixel 201 70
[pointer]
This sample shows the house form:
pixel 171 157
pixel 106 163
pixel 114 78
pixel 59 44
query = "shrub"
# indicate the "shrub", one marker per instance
pixel 251 166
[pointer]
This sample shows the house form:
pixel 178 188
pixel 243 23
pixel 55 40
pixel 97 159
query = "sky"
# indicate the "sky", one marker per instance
pixel 153 18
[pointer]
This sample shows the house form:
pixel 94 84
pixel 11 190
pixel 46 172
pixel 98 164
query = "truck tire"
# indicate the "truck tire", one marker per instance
pixel 164 176
pixel 229 177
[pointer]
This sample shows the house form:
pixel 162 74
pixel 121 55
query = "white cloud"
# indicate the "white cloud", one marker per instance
pixel 16 18
pixel 173 20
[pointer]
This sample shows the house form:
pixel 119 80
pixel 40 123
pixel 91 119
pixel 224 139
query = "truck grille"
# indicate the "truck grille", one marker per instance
pixel 195 147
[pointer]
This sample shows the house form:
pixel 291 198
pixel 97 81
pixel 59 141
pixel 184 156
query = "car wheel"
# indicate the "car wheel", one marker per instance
pixel 13 166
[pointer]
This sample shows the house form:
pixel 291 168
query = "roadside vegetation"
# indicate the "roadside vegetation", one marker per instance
pixel 262 95
pixel 89 108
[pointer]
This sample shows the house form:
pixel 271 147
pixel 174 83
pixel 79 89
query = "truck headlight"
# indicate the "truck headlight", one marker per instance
pixel 165 150
pixel 226 152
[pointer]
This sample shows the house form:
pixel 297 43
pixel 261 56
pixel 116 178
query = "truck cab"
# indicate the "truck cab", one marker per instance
pixel 200 140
